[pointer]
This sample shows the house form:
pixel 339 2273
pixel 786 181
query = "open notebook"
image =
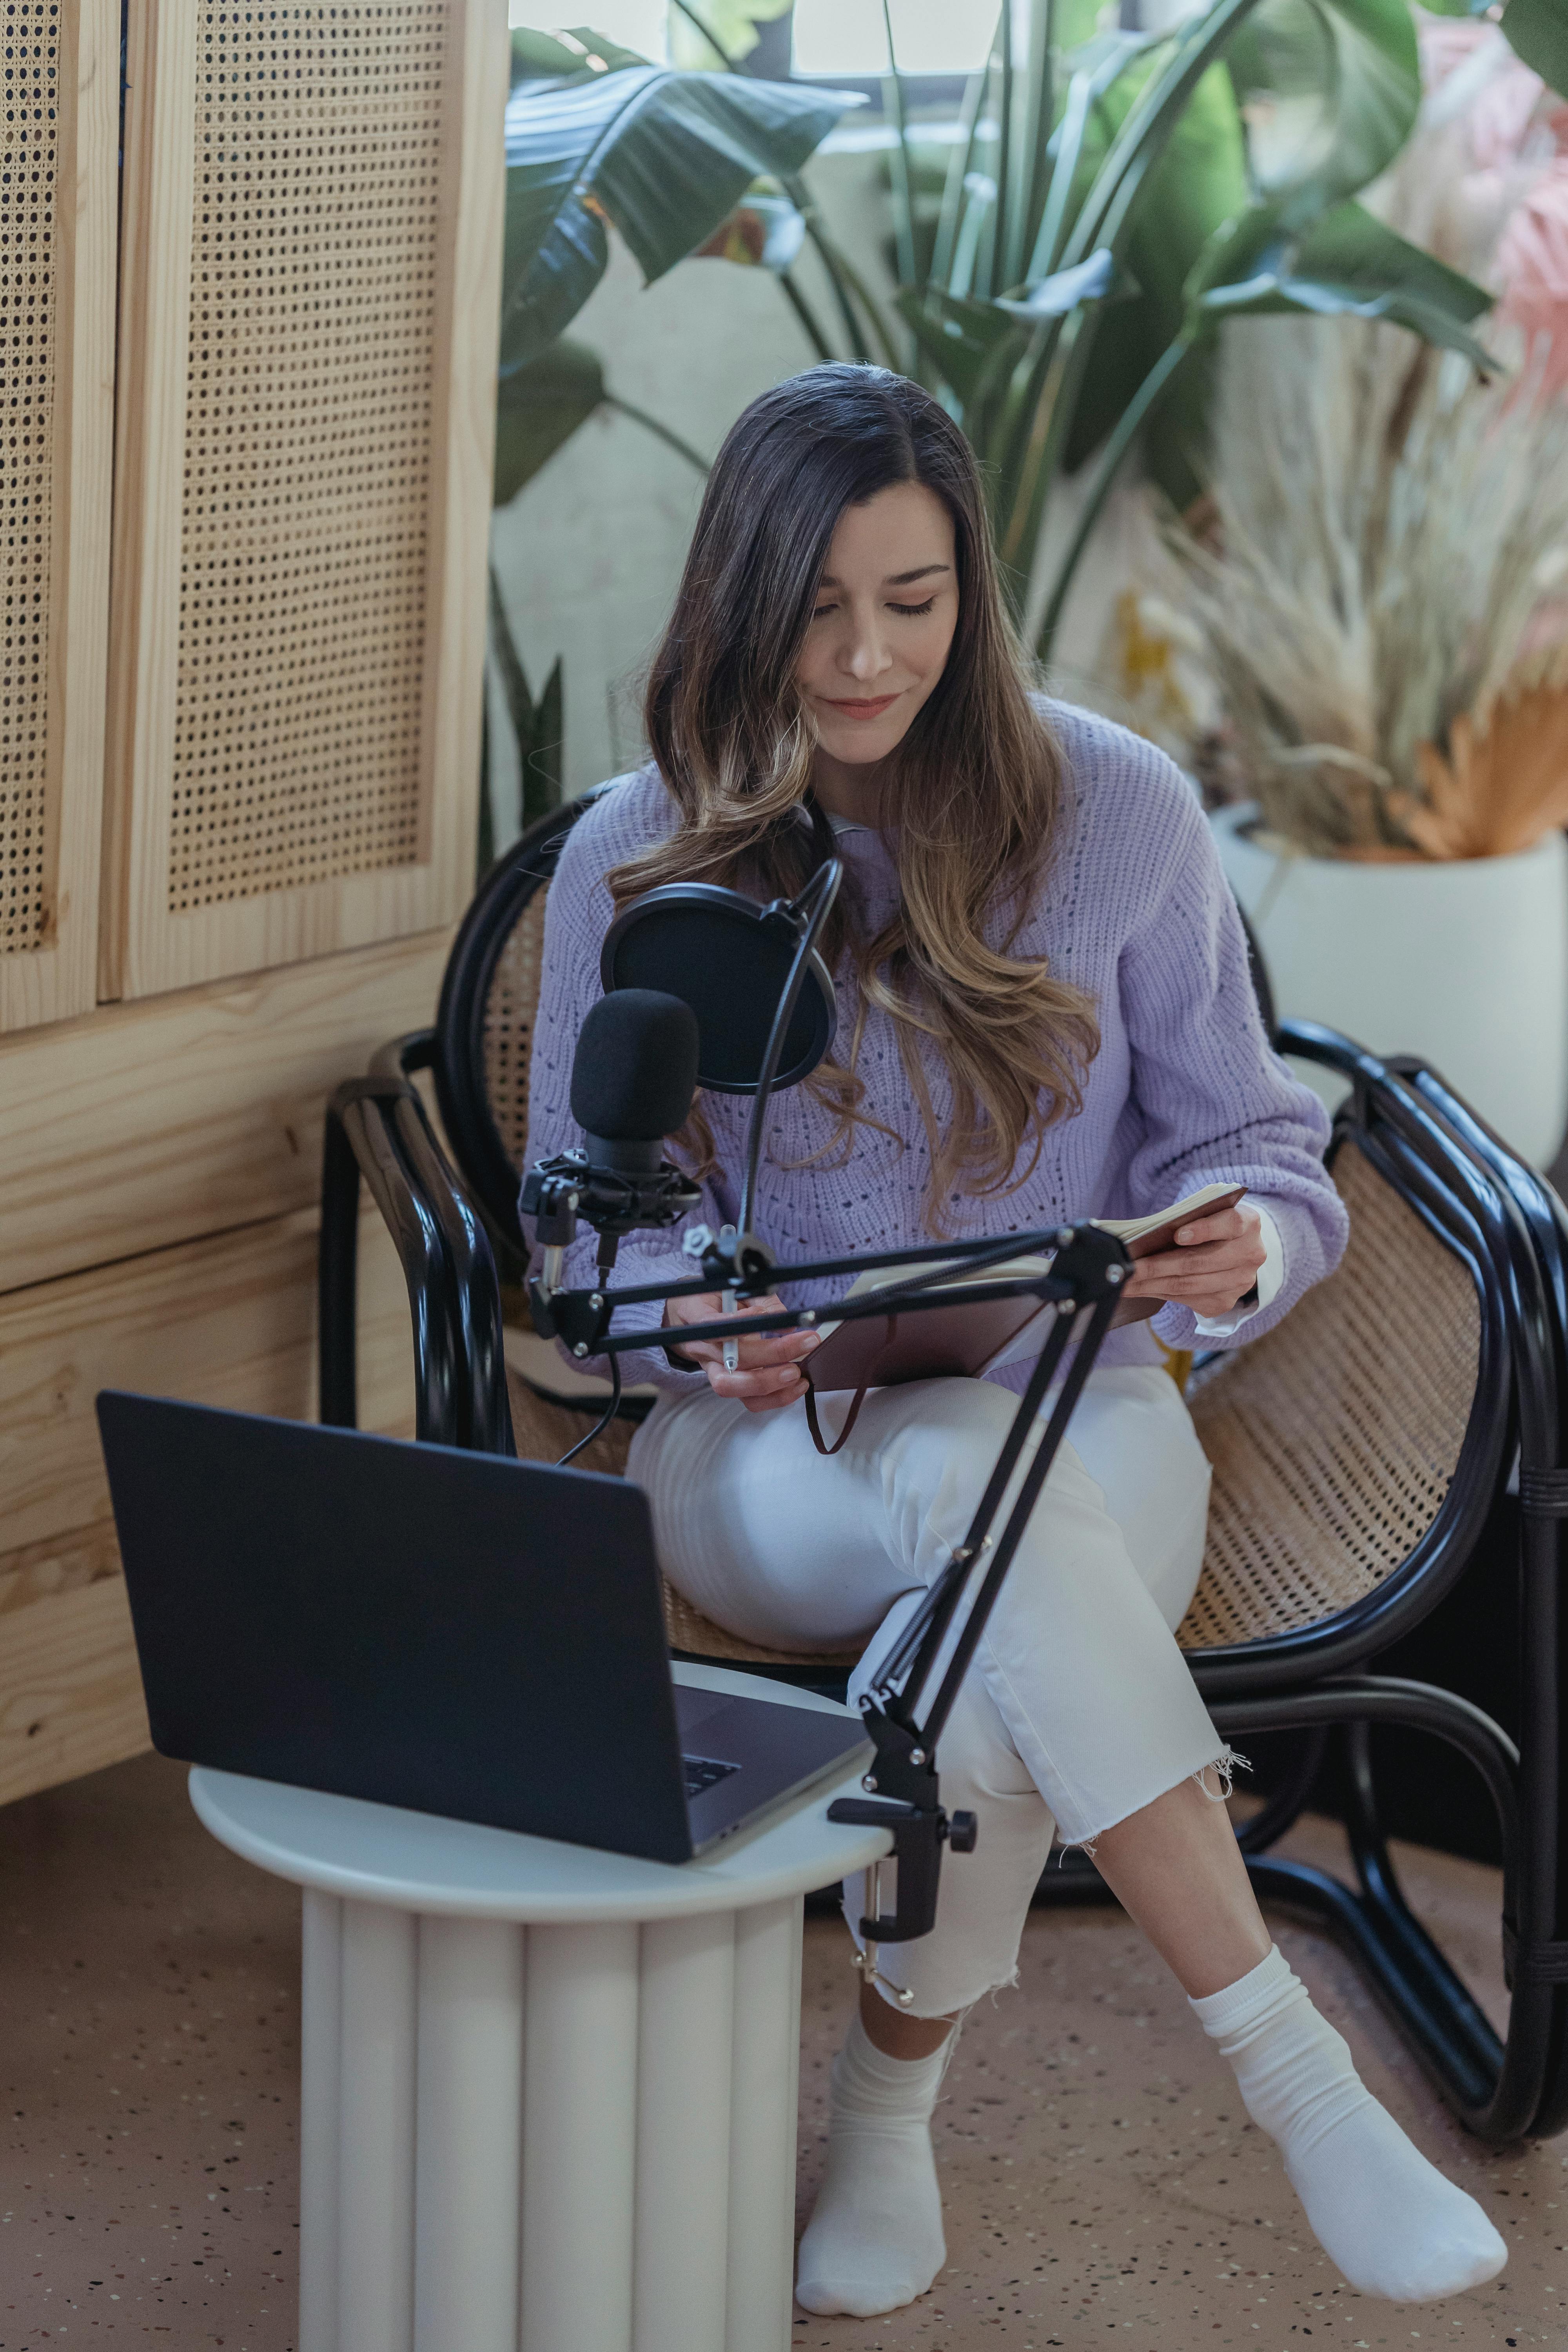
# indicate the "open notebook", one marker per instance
pixel 919 1343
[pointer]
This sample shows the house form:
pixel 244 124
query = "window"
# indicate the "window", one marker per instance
pixel 842 38
pixel 930 37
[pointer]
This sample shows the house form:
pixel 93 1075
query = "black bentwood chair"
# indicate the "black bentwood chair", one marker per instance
pixel 1357 1451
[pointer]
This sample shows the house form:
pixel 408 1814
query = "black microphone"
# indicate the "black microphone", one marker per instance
pixel 633 1077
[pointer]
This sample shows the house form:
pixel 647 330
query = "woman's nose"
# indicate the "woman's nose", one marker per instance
pixel 867 653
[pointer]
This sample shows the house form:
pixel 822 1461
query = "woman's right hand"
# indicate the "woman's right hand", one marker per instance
pixel 769 1375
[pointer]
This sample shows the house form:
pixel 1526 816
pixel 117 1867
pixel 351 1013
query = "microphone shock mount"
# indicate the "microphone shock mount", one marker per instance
pixel 614 1200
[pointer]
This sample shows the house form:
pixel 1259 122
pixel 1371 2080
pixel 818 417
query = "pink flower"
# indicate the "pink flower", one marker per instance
pixel 1512 117
pixel 1516 119
pixel 1532 266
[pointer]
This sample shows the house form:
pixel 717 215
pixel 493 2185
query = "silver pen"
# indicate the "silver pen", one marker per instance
pixel 730 1304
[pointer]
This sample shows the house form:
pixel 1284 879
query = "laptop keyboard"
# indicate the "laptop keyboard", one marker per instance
pixel 703 1772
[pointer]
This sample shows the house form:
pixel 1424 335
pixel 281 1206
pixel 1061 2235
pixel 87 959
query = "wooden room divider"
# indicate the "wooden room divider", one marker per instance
pixel 239 746
pixel 308 352
pixel 59 136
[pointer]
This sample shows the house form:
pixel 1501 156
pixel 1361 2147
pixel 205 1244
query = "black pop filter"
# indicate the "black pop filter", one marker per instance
pixel 635 1070
pixel 728 958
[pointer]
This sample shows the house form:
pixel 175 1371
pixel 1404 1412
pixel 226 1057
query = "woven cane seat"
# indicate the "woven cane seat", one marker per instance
pixel 544 1430
pixel 1334 1437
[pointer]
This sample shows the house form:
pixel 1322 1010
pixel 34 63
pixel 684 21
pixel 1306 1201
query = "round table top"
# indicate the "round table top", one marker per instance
pixel 418 1862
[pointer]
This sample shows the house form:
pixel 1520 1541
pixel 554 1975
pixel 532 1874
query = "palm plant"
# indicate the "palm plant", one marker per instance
pixel 1111 197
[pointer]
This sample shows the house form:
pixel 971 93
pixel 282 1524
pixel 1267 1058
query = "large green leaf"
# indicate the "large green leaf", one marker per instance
pixel 1331 89
pixel 1094 280
pixel 538 406
pixel 1201 182
pixel 965 340
pixel 662 157
pixel 972 343
pixel 1348 264
pixel 1539 32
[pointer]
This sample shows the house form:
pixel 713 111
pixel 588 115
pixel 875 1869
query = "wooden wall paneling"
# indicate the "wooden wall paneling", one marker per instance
pixel 229 1321
pixel 308 345
pixel 70 1695
pixel 155 1122
pixel 58 237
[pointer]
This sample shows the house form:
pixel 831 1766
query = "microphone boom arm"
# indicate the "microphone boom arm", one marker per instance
pixel 902 1791
pixel 814 904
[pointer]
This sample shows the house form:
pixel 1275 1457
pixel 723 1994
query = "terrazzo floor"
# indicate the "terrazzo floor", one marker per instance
pixel 1102 2184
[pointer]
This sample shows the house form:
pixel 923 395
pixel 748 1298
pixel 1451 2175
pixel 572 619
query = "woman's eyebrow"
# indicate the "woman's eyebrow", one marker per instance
pixel 894 579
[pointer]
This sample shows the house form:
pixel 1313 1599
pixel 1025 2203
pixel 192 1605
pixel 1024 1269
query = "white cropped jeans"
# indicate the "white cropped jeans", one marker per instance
pixel 1078 1708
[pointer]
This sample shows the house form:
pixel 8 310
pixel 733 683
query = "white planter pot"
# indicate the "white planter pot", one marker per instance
pixel 1464 963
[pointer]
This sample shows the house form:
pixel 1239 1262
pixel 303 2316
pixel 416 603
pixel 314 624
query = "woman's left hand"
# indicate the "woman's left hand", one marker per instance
pixel 1213 1266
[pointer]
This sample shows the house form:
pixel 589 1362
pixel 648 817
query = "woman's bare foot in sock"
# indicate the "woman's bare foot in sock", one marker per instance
pixel 875 2239
pixel 1389 2219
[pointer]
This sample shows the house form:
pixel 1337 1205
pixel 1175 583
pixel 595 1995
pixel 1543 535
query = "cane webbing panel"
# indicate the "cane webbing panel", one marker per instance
pixel 1334 1437
pixel 510 1007
pixel 544 1430
pixel 29 98
pixel 308 446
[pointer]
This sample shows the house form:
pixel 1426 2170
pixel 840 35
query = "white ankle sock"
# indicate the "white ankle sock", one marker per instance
pixel 1392 2222
pixel 874 2241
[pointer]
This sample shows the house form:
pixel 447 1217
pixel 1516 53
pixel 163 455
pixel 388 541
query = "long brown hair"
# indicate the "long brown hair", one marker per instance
pixel 977 783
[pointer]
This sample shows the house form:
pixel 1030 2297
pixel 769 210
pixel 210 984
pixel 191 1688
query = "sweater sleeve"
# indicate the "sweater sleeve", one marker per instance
pixel 577 914
pixel 1214 1103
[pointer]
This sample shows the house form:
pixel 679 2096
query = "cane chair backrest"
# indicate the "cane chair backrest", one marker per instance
pixel 1334 1438
pixel 510 1005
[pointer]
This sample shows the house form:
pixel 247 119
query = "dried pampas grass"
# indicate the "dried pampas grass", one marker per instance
pixel 1385 531
pixel 1496 792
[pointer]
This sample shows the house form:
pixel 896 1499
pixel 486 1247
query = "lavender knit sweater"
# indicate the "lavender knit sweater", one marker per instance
pixel 1184 1091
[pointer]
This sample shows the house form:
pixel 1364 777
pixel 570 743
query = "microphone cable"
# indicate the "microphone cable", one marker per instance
pixel 605 1418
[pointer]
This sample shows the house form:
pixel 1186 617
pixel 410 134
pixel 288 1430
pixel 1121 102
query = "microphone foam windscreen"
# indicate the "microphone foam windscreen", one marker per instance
pixel 635 1070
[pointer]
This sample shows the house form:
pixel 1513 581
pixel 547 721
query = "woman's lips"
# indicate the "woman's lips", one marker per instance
pixel 863 709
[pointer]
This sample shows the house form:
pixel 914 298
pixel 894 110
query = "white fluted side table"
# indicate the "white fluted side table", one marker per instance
pixel 548 2095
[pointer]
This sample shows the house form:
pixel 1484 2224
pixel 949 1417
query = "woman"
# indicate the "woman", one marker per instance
pixel 1045 1013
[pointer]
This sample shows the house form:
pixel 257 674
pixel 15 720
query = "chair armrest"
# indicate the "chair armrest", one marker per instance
pixel 362 1140
pixel 401 1056
pixel 485 1414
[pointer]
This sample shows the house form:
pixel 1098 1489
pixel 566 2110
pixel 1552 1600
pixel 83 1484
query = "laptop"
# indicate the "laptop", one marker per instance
pixel 454 1633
